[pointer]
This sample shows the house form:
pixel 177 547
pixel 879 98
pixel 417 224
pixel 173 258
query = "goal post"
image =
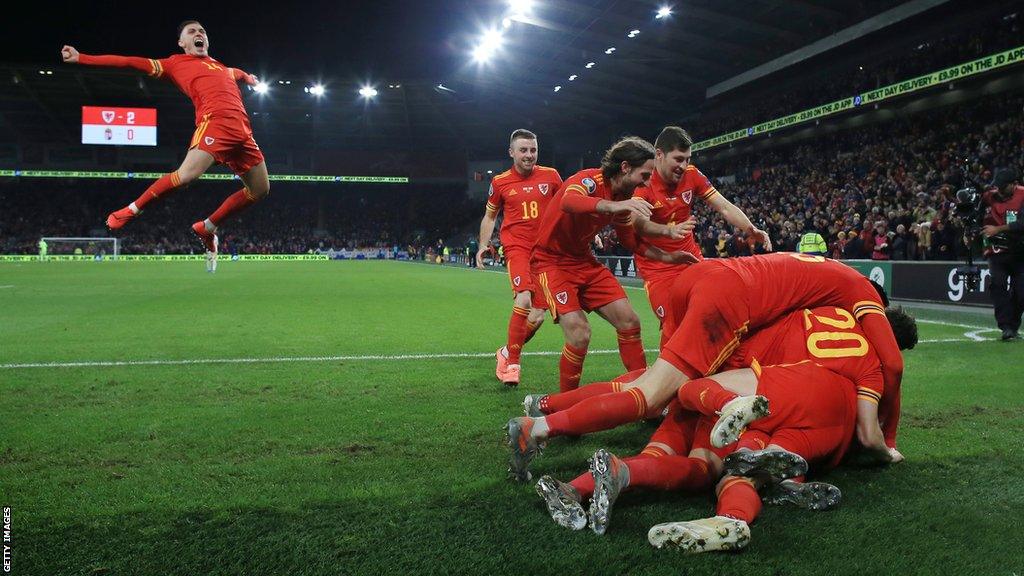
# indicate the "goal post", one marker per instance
pixel 59 245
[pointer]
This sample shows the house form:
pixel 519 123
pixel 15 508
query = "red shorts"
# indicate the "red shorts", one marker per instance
pixel 229 141
pixel 517 261
pixel 813 410
pixel 659 292
pixel 568 287
pixel 709 313
pixel 677 429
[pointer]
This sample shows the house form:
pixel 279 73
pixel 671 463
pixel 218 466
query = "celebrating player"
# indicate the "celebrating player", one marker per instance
pixel 222 135
pixel 573 282
pixel 714 305
pixel 522 194
pixel 674 186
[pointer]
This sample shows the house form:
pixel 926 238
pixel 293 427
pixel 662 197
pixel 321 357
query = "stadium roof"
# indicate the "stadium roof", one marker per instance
pixel 424 49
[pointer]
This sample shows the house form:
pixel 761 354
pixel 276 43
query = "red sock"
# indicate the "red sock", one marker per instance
pixel 738 499
pixel 584 484
pixel 557 402
pixel 668 473
pixel 631 349
pixel 516 333
pixel 231 206
pixel 531 329
pixel 704 395
pixel 602 412
pixel 165 184
pixel 570 367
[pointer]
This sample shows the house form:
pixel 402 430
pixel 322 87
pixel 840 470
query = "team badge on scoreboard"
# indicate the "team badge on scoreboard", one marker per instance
pixel 108 116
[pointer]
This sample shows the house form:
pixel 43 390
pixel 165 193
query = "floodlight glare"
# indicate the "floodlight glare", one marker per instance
pixel 520 7
pixel 488 46
pixel 664 12
pixel 368 92
pixel 261 88
pixel 316 90
pixel 506 23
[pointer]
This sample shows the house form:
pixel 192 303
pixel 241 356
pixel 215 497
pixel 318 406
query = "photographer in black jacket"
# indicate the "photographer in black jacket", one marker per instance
pixel 1004 248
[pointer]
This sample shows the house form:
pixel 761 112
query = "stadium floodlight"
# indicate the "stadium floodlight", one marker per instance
pixel 489 45
pixel 664 12
pixel 315 90
pixel 610 50
pixel 506 23
pixel 368 92
pixel 573 77
pixel 261 88
pixel 590 65
pixel 633 33
pixel 557 88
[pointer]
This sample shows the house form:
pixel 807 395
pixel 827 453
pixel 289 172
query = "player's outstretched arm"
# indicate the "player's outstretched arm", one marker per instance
pixel 239 74
pixel 738 219
pixel 869 433
pixel 147 65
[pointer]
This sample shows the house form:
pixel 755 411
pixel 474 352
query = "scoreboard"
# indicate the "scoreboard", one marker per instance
pixel 119 126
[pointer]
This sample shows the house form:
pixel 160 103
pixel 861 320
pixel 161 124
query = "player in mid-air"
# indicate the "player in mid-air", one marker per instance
pixel 522 194
pixel 223 133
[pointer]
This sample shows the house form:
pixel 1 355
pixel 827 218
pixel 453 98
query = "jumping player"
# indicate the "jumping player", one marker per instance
pixel 522 194
pixel 223 134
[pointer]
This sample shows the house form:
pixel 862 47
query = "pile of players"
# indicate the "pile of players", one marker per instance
pixel 769 366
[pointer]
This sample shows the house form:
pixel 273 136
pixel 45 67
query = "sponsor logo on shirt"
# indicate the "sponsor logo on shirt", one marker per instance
pixel 527 189
pixel 590 184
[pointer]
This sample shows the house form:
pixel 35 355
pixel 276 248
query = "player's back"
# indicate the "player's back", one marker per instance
pixel 568 235
pixel 826 335
pixel 784 281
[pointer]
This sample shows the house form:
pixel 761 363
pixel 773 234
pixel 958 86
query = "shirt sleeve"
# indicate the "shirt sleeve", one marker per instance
pixel 150 66
pixel 879 333
pixel 705 189
pixel 494 200
pixel 578 203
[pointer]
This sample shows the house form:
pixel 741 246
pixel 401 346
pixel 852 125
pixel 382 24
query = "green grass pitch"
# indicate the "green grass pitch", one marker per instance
pixel 333 460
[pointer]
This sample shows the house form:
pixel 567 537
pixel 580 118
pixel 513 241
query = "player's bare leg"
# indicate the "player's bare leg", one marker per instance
pixel 621 315
pixel 196 163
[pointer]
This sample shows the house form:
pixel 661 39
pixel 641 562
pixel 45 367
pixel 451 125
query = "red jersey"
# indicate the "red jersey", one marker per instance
pixel 827 336
pixel 567 235
pixel 522 200
pixel 671 206
pixel 782 282
pixel 212 86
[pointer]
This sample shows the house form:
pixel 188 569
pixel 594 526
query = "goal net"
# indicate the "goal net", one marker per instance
pixel 101 247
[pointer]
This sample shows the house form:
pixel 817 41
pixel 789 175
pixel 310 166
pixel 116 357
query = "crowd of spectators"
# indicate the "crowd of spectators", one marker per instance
pixel 881 192
pixel 295 218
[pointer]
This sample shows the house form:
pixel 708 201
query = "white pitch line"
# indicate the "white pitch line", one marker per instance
pixel 7 286
pixel 277 359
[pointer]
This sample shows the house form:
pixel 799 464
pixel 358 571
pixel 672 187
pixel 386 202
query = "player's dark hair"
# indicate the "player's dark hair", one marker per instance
pixel 881 292
pixel 673 138
pixel 186 23
pixel 631 149
pixel 904 327
pixel 521 133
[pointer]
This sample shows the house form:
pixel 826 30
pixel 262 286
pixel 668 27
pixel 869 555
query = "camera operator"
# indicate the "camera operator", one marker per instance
pixel 1004 248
